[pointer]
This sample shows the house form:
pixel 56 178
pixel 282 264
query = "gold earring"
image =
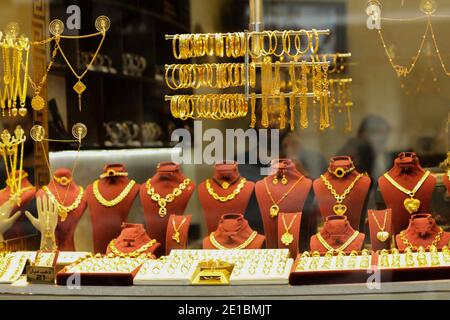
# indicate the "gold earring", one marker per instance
pixel 275 180
pixel 284 180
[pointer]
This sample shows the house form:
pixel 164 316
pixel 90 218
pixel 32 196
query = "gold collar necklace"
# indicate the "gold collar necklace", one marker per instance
pixel 132 254
pixel 408 243
pixel 170 197
pixel 113 202
pixel 63 210
pixel 226 198
pixel 243 245
pixel 342 247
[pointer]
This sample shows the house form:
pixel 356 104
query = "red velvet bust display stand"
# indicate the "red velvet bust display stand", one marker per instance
pixel 132 238
pixel 107 221
pixel 66 195
pixel 168 177
pixel 293 202
pixel 214 209
pixel 421 232
pixel 232 231
pixel 336 231
pixel 407 172
pixel 294 231
pixel 446 181
pixel 355 200
pixel 17 229
pixel 374 228
pixel 183 229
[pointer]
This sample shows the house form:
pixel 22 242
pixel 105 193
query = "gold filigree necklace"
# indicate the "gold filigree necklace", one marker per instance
pixel 113 202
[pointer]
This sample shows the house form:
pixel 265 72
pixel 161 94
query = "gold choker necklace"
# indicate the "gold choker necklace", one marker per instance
pixel 226 198
pixel 342 247
pixel 243 245
pixel 64 181
pixel 408 243
pixel 63 210
pixel 132 254
pixel 170 197
pixel 116 200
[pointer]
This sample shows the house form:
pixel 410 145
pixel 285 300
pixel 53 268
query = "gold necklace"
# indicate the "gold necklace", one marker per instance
pixel 241 246
pixel 408 243
pixel 411 204
pixel 63 210
pixel 133 254
pixel 226 198
pixel 287 237
pixel 275 208
pixel 116 200
pixel 339 208
pixel 342 247
pixel 170 197
pixel 176 234
pixel 382 235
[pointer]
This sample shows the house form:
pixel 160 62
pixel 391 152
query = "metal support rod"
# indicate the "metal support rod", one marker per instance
pixel 256 10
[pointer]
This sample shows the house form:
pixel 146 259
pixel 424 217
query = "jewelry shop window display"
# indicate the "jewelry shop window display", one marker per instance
pixel 109 200
pixel 227 191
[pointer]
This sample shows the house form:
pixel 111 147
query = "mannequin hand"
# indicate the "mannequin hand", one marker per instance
pixel 46 222
pixel 6 221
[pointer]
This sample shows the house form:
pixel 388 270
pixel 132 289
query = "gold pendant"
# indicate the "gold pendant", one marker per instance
pixel 274 209
pixel 162 212
pixel 62 215
pixel 383 236
pixel 340 209
pixel 176 237
pixel 79 87
pixel 287 238
pixel 37 103
pixel 225 185
pixel 411 205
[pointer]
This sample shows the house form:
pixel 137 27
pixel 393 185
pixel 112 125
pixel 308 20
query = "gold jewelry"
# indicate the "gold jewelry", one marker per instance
pixel 226 198
pixel 243 245
pixel 342 247
pixel 113 173
pixel 63 210
pixel 287 238
pixel 275 180
pixel 339 208
pixel 176 234
pixel 170 197
pixel 284 180
pixel 341 172
pixel 411 204
pixel 275 208
pixel 408 243
pixel 113 202
pixel 382 235
pixel 64 181
pixel 133 254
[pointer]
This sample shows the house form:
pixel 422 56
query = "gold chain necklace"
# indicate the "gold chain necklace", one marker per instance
pixel 162 202
pixel 226 198
pixel 287 236
pixel 339 208
pixel 63 210
pixel 275 208
pixel 408 243
pixel 382 235
pixel 342 247
pixel 133 254
pixel 241 246
pixel 176 234
pixel 116 200
pixel 411 204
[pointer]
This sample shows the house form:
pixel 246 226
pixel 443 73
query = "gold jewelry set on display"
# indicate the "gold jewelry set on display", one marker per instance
pixel 344 246
pixel 243 245
pixel 334 260
pixel 275 207
pixel 284 180
pixel 168 198
pixel 115 201
pixel 228 197
pixel 434 243
pixel 109 264
pixel 134 254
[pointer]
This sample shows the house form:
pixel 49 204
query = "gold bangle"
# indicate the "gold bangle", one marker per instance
pixel 315 48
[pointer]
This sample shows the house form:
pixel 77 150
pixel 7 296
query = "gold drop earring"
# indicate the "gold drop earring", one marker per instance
pixel 284 180
pixel 275 180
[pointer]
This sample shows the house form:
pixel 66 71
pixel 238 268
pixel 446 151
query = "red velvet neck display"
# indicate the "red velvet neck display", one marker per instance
pixel 132 238
pixel 66 195
pixel 377 220
pixel 168 177
pixel 354 201
pixel 224 173
pixel 174 239
pixel 17 229
pixel 336 231
pixel 289 225
pixel 421 232
pixel 446 181
pixel 293 202
pixel 407 172
pixel 232 231
pixel 107 221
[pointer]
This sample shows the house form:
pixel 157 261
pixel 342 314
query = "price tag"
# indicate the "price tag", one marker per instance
pixel 40 274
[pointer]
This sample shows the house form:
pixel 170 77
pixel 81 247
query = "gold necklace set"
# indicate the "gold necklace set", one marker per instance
pixel 342 247
pixel 408 243
pixel 113 202
pixel 64 210
pixel 169 198
pixel 275 208
pixel 411 204
pixel 136 253
pixel 228 197
pixel 243 245
pixel 287 238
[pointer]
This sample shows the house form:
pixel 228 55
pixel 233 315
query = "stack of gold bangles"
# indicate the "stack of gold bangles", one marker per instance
pixel 211 75
pixel 209 106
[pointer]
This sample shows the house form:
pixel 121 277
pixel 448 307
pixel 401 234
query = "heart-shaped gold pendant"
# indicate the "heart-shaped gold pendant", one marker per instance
pixel 383 236
pixel 411 205
pixel 274 209
pixel 287 238
pixel 340 209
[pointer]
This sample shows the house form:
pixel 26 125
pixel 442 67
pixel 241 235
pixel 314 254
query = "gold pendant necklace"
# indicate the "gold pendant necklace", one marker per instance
pixel 275 208
pixel 176 234
pixel 226 198
pixel 63 210
pixel 116 200
pixel 287 238
pixel 342 247
pixel 411 204
pixel 170 197
pixel 382 235
pixel 339 208
pixel 241 246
